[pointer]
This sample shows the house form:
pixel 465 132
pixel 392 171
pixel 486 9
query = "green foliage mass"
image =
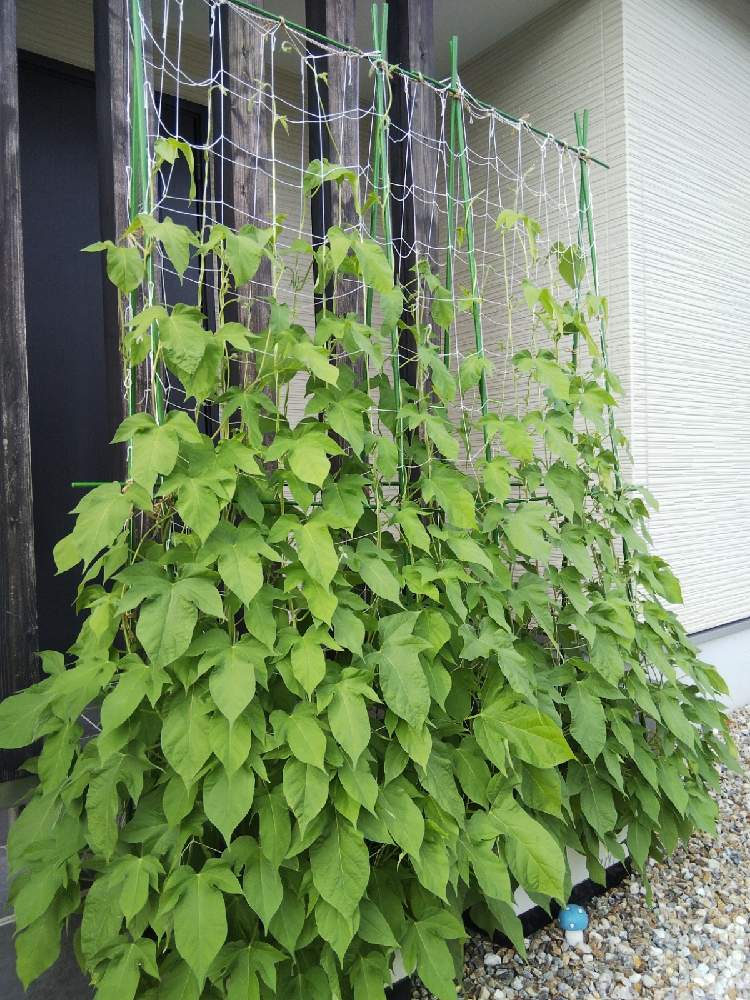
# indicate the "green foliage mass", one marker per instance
pixel 333 718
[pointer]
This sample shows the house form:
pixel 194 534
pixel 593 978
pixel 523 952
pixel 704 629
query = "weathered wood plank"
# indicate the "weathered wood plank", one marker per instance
pixel 412 163
pixel 338 142
pixel 18 613
pixel 111 48
pixel 343 133
pixel 242 171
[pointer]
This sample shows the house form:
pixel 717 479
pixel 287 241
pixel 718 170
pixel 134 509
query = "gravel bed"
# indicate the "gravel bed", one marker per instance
pixel 694 942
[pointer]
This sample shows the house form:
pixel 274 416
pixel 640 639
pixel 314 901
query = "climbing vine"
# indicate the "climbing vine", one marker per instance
pixel 336 716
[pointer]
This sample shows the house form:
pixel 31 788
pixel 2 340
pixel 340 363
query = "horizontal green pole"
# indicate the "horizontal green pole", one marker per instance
pixel 421 77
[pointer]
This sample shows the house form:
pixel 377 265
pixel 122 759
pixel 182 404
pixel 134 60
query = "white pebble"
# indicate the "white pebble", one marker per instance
pixel 491 959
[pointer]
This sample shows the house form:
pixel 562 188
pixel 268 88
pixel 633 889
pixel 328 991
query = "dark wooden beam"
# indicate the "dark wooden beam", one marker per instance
pixel 18 622
pixel 318 137
pixel 343 137
pixel 337 141
pixel 412 164
pixel 111 56
pixel 242 171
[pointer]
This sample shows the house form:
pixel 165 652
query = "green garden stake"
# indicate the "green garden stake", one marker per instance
pixel 382 177
pixel 586 215
pixel 463 161
pixel 140 195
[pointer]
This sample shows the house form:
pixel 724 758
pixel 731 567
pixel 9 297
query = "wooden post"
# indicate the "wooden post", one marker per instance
pixel 111 56
pixel 242 174
pixel 18 623
pixel 338 142
pixel 413 164
pixel 318 138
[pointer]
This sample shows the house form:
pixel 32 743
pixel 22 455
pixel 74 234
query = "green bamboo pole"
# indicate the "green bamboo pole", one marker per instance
pixel 582 128
pixel 411 74
pixel 140 195
pixel 380 36
pixel 587 216
pixel 463 162
pixel 450 188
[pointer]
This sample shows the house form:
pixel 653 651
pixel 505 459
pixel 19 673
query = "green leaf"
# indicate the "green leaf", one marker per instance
pixel 308 661
pixel 408 519
pixel 125 698
pixel 101 920
pixel 227 798
pixel 176 240
pixel 244 251
pixel 496 478
pixel 167 622
pixel 101 516
pixel 275 827
pixel 434 961
pixel 373 927
pixel 135 886
pixel 541 789
pixel 587 725
pixel 348 631
pixel 349 721
pixel 198 507
pixel 102 808
pixel 154 454
pixel 121 977
pixel 533 737
pixel 516 439
pixel 376 574
pixel 377 272
pixel 597 804
pixel 200 924
pixel 232 680
pixel 572 265
pixel 305 789
pixel 535 857
pixel 125 266
pixel 369 975
pixel 185 736
pixel 240 568
pixel 308 458
pixel 340 866
pixel 305 737
pixel 21 716
pixel 316 551
pixel 449 488
pixel 403 819
pixel 525 528
pixel 403 681
pixel 471 371
pixel 567 488
pixel 37 947
pixel 262 885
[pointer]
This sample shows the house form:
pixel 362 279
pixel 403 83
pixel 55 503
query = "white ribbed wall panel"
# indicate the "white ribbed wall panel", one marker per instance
pixel 687 76
pixel 567 59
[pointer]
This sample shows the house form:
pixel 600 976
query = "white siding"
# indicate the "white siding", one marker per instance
pixel 567 59
pixel 687 75
pixel 668 85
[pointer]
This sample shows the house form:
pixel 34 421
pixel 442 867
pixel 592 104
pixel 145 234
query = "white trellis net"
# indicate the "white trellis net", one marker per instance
pixel 192 89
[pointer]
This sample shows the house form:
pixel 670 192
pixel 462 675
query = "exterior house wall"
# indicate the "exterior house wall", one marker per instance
pixel 664 80
pixel 687 77
pixel 566 59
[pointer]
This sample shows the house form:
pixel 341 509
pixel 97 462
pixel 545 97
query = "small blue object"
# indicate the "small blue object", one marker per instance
pixel 573 918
